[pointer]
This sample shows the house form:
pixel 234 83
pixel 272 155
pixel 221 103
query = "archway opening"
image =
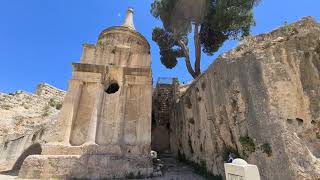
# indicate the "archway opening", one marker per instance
pixel 112 88
pixel 34 149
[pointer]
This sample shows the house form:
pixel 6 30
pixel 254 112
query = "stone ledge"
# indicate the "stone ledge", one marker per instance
pixel 115 150
pixel 93 68
pixel 87 166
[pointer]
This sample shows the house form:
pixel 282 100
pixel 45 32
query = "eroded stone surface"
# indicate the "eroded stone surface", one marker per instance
pixel 26 120
pixel 104 127
pixel 260 100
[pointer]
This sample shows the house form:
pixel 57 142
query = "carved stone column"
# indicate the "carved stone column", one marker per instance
pixel 75 87
pixel 92 131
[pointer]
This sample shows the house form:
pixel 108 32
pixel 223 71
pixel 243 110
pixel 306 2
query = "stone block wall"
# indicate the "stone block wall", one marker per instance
pixel 47 91
pixel 161 113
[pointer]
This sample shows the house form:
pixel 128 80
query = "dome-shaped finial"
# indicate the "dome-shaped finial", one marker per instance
pixel 129 19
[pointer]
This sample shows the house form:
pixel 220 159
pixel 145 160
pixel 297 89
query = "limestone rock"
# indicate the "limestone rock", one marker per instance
pixel 104 127
pixel 22 111
pixel 261 101
pixel 26 119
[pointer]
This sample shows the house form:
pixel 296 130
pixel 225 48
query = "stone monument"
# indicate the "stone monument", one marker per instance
pixel 239 169
pixel 104 130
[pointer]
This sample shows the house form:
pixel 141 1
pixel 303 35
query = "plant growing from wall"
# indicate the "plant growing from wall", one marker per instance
pixel 45 111
pixel 59 106
pixel 247 144
pixel 266 148
pixel 267 44
pixel 55 103
pixel 290 29
pixel 52 102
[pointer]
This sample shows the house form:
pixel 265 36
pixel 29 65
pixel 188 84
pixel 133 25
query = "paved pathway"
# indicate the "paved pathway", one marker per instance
pixel 173 170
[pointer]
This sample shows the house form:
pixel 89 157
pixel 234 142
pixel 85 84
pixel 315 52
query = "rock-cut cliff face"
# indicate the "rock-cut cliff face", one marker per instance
pixel 260 101
pixel 26 122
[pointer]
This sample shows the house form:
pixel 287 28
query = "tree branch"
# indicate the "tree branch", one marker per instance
pixel 187 58
pixel 197 46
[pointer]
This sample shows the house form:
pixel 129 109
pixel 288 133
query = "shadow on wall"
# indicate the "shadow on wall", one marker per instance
pixel 34 149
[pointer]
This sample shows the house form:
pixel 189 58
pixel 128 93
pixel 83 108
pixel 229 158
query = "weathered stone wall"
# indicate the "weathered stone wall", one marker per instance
pixel 104 125
pixel 261 101
pixel 27 119
pixel 47 91
pixel 118 46
pixel 161 113
pixel 22 111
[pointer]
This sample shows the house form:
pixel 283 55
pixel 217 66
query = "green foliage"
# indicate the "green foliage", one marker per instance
pixel 267 44
pixel 164 10
pixel 169 47
pixel 266 148
pixel 52 102
pixel 59 106
pixel 55 103
pixel 45 111
pixel 226 19
pixel 238 48
pixel 290 29
pixel 219 20
pixel 100 41
pixel 247 144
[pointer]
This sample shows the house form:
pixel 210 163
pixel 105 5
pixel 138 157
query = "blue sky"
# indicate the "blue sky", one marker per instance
pixel 41 38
